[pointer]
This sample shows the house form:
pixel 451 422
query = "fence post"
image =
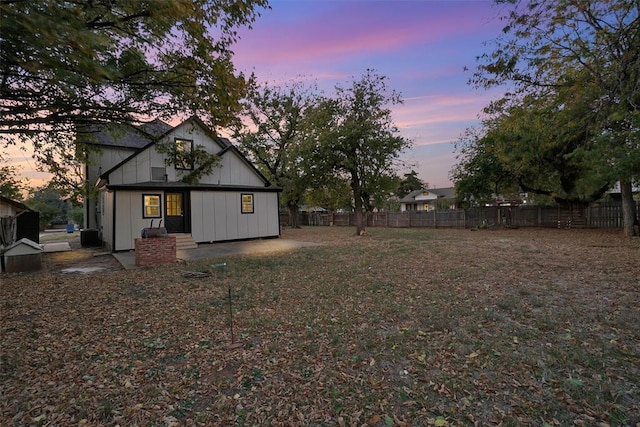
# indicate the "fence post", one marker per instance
pixel 539 216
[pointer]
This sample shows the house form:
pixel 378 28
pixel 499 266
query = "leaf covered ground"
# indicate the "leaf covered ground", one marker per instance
pixel 400 327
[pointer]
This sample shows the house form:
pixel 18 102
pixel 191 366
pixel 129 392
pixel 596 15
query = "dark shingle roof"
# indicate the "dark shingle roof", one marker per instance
pixel 442 193
pixel 127 136
pixel 156 128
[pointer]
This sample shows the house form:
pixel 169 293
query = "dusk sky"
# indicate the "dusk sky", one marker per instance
pixel 422 46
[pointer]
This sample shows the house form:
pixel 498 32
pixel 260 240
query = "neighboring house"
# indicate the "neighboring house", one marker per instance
pixel 136 188
pixel 17 221
pixel 616 194
pixel 429 199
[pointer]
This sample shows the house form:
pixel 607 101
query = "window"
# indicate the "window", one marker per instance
pixel 174 204
pixel 151 206
pixel 184 149
pixel 247 203
pixel 158 174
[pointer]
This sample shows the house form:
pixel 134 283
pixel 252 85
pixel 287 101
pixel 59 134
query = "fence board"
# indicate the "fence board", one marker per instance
pixel 604 215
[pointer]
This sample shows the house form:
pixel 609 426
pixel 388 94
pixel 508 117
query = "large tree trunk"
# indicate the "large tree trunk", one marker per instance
pixel 629 214
pixel 294 220
pixel 357 201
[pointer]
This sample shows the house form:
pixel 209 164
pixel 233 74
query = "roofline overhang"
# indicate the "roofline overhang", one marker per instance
pixel 162 186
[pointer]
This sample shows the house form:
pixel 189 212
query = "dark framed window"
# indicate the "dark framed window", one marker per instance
pixel 151 206
pixel 184 149
pixel 247 203
pixel 174 204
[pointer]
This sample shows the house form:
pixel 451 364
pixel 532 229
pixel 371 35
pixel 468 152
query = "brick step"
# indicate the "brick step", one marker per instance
pixel 184 241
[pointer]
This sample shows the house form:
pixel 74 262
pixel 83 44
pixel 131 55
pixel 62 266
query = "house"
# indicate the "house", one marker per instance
pixel 17 221
pixel 140 186
pixel 429 199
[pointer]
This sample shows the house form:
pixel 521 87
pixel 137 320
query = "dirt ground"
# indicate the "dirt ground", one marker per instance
pixel 400 327
pixel 79 258
pixel 98 258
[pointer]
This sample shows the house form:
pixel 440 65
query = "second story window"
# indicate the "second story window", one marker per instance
pixel 184 151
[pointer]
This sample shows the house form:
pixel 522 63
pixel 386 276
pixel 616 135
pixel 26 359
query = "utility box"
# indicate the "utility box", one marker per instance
pixel 23 255
pixel 89 238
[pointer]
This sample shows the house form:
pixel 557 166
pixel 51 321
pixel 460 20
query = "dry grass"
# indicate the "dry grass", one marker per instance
pixel 402 327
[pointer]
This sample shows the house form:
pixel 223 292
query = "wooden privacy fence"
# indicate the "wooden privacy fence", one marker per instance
pixel 596 216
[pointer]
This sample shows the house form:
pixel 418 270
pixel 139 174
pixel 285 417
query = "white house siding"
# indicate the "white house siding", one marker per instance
pixel 216 216
pixel 106 158
pixel 137 169
pixel 106 211
pixel 128 212
pixel 232 170
pixel 194 133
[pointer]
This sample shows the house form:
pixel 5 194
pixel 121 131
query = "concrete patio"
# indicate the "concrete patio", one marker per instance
pixel 223 250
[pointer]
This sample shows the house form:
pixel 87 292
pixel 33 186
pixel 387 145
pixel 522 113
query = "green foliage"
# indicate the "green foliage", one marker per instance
pixel 355 139
pixel 479 176
pixel 66 161
pixel 332 196
pixel 273 136
pixel 65 64
pixel 193 163
pixel 572 109
pixel 76 214
pixel 410 183
pixel 535 146
pixel 10 185
pixel 49 202
pixel 75 62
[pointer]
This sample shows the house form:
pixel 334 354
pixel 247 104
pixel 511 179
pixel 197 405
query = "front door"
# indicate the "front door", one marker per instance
pixel 176 213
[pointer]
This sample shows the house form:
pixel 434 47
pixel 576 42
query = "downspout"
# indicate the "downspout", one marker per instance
pixel 87 204
pixel 278 214
pixel 113 221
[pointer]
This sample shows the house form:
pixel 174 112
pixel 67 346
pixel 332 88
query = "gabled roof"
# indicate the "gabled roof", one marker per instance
pixel 15 203
pixel 442 193
pixel 30 244
pixel 147 140
pixel 234 149
pixel 156 127
pixel 126 136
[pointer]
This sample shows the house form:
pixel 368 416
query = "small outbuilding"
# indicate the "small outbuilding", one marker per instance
pixel 23 255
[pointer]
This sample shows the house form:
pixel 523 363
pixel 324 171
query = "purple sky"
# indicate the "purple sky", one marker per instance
pixel 422 46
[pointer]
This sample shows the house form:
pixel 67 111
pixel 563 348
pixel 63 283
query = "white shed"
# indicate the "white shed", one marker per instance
pixel 23 255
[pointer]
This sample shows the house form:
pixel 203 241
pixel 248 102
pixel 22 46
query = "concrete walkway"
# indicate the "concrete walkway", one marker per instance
pixel 56 247
pixel 223 250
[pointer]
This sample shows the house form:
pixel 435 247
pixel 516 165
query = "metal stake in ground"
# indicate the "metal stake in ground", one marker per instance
pixel 220 270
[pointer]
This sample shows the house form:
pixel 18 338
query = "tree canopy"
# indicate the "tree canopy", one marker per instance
pixel 410 183
pixel 571 115
pixel 64 64
pixel 356 139
pixel 272 134
pixel 11 185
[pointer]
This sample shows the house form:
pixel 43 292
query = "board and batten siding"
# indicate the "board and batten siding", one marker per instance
pixel 128 212
pixel 232 170
pixel 217 216
pixel 138 169
pixel 106 215
pixel 105 159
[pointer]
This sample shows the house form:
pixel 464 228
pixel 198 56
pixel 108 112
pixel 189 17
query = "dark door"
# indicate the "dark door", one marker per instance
pixel 28 225
pixel 176 214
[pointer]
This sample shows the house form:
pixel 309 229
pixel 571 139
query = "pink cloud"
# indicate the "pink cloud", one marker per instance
pixel 350 29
